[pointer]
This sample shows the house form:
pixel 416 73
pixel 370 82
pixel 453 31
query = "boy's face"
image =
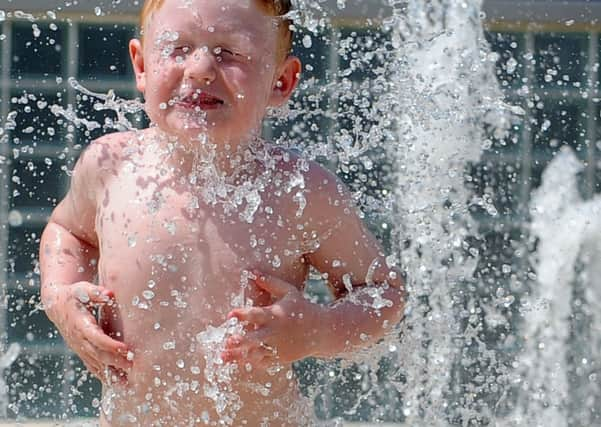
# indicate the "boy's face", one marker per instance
pixel 211 66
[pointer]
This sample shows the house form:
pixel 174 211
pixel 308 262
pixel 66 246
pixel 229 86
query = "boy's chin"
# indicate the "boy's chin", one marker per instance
pixel 208 133
pixel 199 130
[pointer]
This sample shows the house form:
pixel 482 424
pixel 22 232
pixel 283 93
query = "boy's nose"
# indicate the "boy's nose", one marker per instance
pixel 201 67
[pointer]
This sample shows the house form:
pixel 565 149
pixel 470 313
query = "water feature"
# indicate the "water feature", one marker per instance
pixel 412 106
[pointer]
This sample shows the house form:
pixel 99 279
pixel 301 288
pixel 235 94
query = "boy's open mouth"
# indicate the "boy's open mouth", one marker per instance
pixel 201 100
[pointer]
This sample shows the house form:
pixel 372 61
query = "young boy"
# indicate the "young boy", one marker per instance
pixel 195 222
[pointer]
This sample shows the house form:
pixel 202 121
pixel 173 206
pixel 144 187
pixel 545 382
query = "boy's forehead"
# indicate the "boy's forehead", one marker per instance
pixel 223 15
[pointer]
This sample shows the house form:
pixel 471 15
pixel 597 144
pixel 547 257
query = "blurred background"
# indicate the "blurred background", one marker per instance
pixel 547 62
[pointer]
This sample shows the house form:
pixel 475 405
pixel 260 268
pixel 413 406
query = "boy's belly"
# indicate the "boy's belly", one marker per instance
pixel 173 319
pixel 123 406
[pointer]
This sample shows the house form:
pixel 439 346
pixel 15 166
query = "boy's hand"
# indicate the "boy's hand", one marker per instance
pixel 71 311
pixel 283 332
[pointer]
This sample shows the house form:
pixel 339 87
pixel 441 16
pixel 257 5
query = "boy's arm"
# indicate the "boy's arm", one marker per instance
pixel 68 256
pixel 370 294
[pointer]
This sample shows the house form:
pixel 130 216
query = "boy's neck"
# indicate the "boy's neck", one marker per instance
pixel 227 157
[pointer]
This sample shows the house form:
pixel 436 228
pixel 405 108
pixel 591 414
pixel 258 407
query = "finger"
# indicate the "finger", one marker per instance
pixel 98 338
pixel 255 315
pixel 110 359
pixel 260 358
pixel 90 364
pixel 117 375
pixel 234 355
pixel 86 353
pixel 254 355
pixel 100 295
pixel 255 338
pixel 235 341
pixel 87 293
pixel 275 286
pixel 94 371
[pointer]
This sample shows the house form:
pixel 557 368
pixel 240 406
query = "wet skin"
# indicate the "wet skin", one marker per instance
pixel 146 223
pixel 193 258
pixel 169 264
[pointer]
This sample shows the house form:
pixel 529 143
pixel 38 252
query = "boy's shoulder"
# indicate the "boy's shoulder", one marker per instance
pixel 107 152
pixel 323 193
pixel 315 177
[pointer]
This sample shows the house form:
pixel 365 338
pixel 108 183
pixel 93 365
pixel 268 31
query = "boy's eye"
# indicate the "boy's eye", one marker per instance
pixel 222 51
pixel 179 50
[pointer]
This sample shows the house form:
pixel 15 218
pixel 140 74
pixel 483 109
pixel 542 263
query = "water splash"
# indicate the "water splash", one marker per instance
pixel 566 227
pixel 440 128
pixel 6 360
pixel 219 376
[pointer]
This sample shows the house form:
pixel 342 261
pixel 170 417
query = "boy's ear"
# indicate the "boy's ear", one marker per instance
pixel 286 81
pixel 137 61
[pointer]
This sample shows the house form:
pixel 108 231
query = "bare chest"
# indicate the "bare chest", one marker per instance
pixel 158 236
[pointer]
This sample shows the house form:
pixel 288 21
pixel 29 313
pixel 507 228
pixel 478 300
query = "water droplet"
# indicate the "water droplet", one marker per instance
pixel 148 294
pixel 348 283
pixel 82 296
pixel 307 42
pixel 15 218
pixel 508 300
pixel 169 345
pixel 130 355
pixel 170 227
pixel 276 262
pixel 97 11
pixel 131 241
